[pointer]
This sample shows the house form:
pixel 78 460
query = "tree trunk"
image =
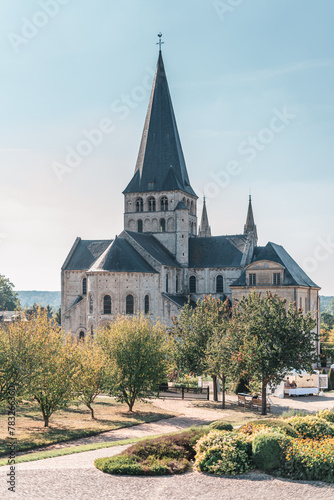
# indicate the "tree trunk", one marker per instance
pixel 215 392
pixel 91 411
pixel 264 397
pixel 46 421
pixel 223 391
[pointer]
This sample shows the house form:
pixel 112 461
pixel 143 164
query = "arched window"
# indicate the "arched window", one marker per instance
pixel 219 284
pixel 162 225
pixel 91 304
pixel 81 335
pixel 164 203
pixel 91 330
pixel 147 304
pixel 192 208
pixel 140 226
pixel 129 304
pixel 166 283
pixel 177 283
pixel 107 304
pixel 139 205
pixel 151 204
pixel 84 286
pixel 192 284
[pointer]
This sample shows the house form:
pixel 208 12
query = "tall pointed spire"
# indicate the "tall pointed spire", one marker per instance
pixel 250 226
pixel 160 164
pixel 204 229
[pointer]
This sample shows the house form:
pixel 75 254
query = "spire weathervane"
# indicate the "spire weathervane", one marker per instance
pixel 160 42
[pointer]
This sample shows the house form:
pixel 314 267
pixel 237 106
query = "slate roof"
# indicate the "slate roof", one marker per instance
pixel 154 248
pixel 179 300
pixel 120 256
pixel 85 254
pixel 216 251
pixel 293 273
pixel 160 164
pixel 181 206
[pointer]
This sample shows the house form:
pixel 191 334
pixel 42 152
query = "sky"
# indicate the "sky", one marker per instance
pixel 252 88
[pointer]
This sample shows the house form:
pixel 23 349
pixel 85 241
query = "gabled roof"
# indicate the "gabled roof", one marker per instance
pixel 217 251
pixel 85 253
pixel 160 164
pixel 179 300
pixel 154 248
pixel 120 256
pixel 293 273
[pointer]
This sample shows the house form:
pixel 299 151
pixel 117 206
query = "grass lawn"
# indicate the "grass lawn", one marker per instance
pixel 233 414
pixel 73 422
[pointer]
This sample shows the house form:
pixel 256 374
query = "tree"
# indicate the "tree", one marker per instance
pixel 54 361
pixel 269 339
pixel 91 376
pixel 8 298
pixel 193 330
pixel 138 358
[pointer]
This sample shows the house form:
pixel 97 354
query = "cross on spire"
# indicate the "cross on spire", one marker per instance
pixel 160 42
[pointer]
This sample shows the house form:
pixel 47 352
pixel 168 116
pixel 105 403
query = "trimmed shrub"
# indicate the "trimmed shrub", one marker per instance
pixel 241 386
pixel 223 453
pixel 256 426
pixel 130 465
pixel 311 427
pixel 308 459
pixel 327 415
pixel 331 380
pixel 268 450
pixel 220 425
pixel 155 457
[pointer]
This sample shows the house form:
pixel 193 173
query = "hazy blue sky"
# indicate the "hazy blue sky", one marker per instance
pixel 251 81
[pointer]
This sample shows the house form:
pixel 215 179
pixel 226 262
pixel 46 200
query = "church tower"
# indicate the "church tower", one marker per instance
pixel 159 198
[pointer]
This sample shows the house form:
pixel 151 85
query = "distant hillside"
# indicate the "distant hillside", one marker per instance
pixel 30 297
pixel 324 302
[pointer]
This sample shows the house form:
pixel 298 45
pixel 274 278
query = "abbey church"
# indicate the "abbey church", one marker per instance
pixel 163 258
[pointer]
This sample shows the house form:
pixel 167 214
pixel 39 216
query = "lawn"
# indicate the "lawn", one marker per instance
pixel 232 414
pixel 73 422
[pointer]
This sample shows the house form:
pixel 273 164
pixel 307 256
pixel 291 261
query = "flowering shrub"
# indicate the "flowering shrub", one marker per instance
pixel 223 453
pixel 221 425
pixel 272 425
pixel 326 415
pixel 311 427
pixel 309 459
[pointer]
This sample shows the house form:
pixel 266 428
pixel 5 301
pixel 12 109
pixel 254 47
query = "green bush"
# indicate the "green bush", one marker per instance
pixel 164 455
pixel 268 450
pixel 220 425
pixel 276 425
pixel 331 380
pixel 311 427
pixel 241 386
pixel 223 453
pixel 130 465
pixel 327 415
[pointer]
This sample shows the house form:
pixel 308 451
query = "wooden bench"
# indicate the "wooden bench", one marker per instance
pixel 242 401
pixel 257 404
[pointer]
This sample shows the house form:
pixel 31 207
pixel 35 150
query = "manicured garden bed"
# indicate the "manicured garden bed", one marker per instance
pixel 298 447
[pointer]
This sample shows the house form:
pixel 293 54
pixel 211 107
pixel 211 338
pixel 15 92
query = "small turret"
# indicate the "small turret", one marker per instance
pixel 204 229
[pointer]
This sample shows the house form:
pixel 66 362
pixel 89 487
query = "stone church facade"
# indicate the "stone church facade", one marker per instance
pixel 162 258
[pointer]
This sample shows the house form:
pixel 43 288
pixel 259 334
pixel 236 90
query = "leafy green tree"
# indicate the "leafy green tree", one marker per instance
pixel 327 320
pixel 55 368
pixel 138 358
pixel 91 376
pixel 270 338
pixel 8 297
pixel 193 330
